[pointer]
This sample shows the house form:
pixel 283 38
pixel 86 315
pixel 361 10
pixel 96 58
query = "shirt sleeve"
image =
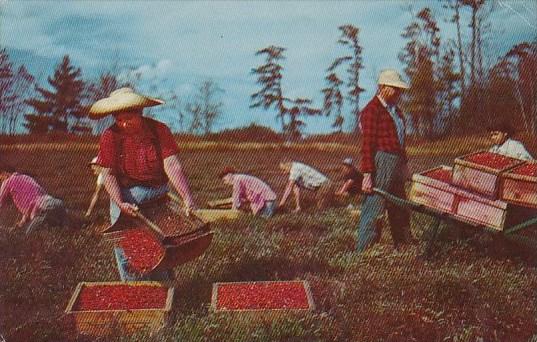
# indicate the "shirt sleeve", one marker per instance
pixel 107 153
pixel 4 191
pixel 369 140
pixel 168 145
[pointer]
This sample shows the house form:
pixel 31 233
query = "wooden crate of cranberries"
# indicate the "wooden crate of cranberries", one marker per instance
pixel 519 185
pixel 103 308
pixel 262 300
pixel 481 172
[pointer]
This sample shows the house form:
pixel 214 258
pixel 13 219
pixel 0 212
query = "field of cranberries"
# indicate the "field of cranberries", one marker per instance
pixel 476 288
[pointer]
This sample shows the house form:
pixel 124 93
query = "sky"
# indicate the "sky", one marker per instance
pixel 175 45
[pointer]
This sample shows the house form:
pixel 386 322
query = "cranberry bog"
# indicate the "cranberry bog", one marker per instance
pixel 264 300
pixel 103 308
pixel 476 289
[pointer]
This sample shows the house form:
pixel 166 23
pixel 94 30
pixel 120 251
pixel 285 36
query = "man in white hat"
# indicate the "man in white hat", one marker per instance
pixel 138 155
pixel 383 162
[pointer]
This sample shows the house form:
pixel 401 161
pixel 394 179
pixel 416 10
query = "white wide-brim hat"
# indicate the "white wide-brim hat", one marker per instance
pixel 391 78
pixel 121 100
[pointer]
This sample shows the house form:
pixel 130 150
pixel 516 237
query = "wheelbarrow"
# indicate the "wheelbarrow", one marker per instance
pixel 181 238
pixel 441 218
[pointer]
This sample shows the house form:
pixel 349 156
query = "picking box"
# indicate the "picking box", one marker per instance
pixel 103 321
pixel 481 171
pixel 262 299
pixel 186 237
pixel 434 188
pixel 519 185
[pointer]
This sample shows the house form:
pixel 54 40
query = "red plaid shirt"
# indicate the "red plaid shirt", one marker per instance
pixel 378 134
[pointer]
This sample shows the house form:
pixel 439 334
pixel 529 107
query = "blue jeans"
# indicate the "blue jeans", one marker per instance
pixel 52 213
pixel 136 195
pixel 268 209
pixel 391 170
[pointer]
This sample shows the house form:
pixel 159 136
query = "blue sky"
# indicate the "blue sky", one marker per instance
pixel 176 45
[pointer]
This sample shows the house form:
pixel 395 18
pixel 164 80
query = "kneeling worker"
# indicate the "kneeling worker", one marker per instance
pixel 249 189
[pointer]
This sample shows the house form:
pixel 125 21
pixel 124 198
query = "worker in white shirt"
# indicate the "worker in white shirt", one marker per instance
pixel 305 177
pixel 98 184
pixel 500 134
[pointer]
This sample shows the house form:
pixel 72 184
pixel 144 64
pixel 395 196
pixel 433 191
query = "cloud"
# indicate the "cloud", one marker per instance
pixel 175 45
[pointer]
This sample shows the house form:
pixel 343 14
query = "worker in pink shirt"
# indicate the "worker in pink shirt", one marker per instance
pixel 249 189
pixel 35 205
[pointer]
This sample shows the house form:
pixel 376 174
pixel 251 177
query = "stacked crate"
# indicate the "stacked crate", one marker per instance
pixel 478 188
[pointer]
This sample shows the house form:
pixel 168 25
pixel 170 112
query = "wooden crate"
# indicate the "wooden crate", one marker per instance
pixel 211 215
pixel 461 204
pixel 433 193
pixel 479 178
pixel 519 189
pixel 253 314
pixel 106 322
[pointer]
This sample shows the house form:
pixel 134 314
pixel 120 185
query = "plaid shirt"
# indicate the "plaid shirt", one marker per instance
pixel 378 134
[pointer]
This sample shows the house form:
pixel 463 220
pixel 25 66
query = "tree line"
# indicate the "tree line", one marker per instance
pixel 62 106
pixel 455 85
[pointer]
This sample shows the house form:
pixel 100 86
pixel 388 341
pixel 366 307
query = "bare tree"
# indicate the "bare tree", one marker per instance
pixel 15 87
pixel 205 108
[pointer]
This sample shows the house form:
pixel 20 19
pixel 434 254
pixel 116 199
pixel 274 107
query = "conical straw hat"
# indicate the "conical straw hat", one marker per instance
pixel 121 100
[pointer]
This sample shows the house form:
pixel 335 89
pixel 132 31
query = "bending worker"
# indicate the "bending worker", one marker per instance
pixel 138 155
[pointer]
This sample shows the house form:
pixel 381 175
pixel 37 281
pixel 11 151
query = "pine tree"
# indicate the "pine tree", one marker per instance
pixel 448 89
pixel 269 77
pixel 350 38
pixel 421 56
pixel 62 104
pixel 300 107
pixel 333 100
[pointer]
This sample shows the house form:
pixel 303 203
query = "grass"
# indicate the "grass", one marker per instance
pixel 476 289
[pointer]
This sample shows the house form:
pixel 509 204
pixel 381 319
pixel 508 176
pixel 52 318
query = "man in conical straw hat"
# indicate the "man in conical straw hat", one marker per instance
pixel 138 155
pixel 383 162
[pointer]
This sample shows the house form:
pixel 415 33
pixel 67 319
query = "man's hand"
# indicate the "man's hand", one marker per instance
pixel 22 222
pixel 189 209
pixel 367 183
pixel 129 208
